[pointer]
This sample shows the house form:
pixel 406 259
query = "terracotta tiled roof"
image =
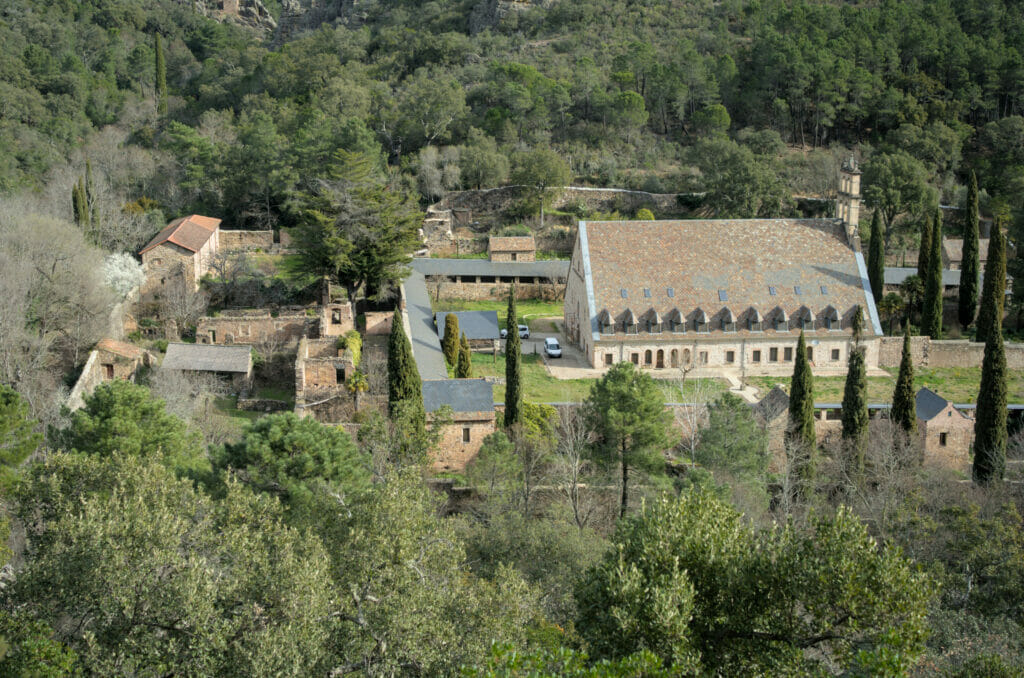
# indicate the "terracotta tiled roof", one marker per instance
pixel 190 232
pixel 521 243
pixel 731 270
pixel 954 249
pixel 123 349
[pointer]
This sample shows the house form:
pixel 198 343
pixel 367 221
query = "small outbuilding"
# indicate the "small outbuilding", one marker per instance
pixel 472 419
pixel 946 432
pixel 229 362
pixel 512 248
pixel 480 327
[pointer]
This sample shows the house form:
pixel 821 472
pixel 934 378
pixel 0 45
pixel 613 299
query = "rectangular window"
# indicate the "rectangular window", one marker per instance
pixel 487 278
pixel 634 358
pixel 339 375
pixel 730 357
pixel 755 326
pixel 513 256
pixel 756 357
pixel 723 295
pixel 942 439
pixel 608 358
pixel 647 292
pixel 703 357
pixel 108 370
pixel 824 290
pixel 622 293
pixel 670 292
pixel 728 327
pixel 810 353
pixel 781 325
pixel 787 353
pixel 772 291
pixel 796 289
pixel 701 327
pixel 773 355
pixel 835 354
pixel 465 434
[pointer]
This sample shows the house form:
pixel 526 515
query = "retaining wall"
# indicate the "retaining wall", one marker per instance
pixel 926 352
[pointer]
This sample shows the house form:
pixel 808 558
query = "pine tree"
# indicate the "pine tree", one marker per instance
pixel 464 368
pixel 926 248
pixel 513 367
pixel 855 408
pixel 404 382
pixel 876 257
pixel 801 438
pixel 931 317
pixel 450 341
pixel 904 404
pixel 967 300
pixel 161 77
pixel 994 288
pixel 990 424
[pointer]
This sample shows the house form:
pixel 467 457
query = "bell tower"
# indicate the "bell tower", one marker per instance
pixel 848 198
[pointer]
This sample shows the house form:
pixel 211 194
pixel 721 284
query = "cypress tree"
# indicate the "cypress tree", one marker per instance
pixel 990 424
pixel 904 404
pixel 80 205
pixel 161 77
pixel 931 318
pixel 876 257
pixel 855 408
pixel 994 288
pixel 513 367
pixel 464 368
pixel 967 299
pixel 801 438
pixel 926 248
pixel 450 341
pixel 90 196
pixel 403 378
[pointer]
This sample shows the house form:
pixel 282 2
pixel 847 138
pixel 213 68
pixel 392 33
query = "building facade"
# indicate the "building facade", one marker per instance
pixel 513 248
pixel 183 249
pixel 718 293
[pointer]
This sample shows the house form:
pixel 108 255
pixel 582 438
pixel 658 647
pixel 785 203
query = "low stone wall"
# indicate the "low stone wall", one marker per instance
pixel 943 353
pixel 262 405
pixel 246 240
pixel 493 291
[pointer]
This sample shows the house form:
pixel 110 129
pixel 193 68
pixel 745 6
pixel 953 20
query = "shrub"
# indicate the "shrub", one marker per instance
pixel 352 341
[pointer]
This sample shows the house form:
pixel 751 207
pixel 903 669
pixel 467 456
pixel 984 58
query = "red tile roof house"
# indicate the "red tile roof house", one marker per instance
pixel 718 294
pixel 184 247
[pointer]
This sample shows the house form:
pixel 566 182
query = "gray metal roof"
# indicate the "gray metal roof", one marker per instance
pixel 474 324
pixel 553 268
pixel 462 395
pixel 928 403
pixel 895 275
pixel 426 347
pixel 208 358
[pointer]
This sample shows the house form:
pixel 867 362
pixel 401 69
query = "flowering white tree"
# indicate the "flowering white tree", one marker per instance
pixel 122 273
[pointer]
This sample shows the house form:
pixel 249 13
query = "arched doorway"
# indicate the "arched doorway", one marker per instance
pixel 660 364
pixel 647 358
pixel 674 357
pixel 686 357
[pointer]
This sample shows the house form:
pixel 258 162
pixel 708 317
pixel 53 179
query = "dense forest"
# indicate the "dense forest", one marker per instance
pixel 143 538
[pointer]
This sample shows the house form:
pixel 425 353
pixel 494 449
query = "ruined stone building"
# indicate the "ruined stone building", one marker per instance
pixel 231 363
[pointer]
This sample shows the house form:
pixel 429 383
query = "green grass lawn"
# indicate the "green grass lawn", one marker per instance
pixel 958 384
pixel 530 310
pixel 541 387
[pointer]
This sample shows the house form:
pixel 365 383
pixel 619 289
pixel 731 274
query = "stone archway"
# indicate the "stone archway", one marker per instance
pixel 647 358
pixel 687 360
pixel 660 361
pixel 674 358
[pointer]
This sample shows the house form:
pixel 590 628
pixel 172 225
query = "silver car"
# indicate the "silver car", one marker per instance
pixel 551 348
pixel 524 332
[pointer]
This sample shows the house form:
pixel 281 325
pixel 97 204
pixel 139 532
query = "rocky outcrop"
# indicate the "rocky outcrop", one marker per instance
pixel 249 13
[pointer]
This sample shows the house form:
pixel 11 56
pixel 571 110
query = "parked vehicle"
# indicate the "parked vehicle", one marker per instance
pixel 552 348
pixel 524 332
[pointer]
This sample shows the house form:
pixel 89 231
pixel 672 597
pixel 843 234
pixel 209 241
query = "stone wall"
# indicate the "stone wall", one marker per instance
pixel 378 323
pixel 943 353
pixel 453 453
pixel 99 367
pixel 88 380
pixel 256 327
pixel 336 319
pixel 494 291
pixel 246 240
pixel 261 405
